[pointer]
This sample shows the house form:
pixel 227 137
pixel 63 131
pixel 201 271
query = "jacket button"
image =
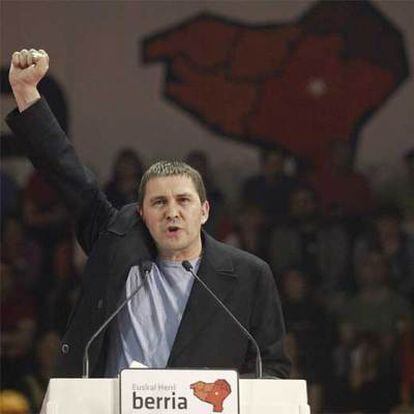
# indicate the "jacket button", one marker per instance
pixel 65 349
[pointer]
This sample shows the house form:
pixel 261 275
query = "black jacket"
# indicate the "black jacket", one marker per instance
pixel 117 239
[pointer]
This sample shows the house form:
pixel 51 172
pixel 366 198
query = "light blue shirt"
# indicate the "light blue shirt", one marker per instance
pixel 146 328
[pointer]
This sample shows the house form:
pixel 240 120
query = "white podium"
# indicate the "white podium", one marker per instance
pixel 101 396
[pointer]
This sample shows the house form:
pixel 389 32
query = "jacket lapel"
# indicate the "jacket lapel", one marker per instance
pixel 132 246
pixel 216 270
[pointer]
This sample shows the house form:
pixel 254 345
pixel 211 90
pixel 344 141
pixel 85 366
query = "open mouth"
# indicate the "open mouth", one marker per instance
pixel 172 230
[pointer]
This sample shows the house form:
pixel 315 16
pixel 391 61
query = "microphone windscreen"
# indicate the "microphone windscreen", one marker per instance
pixel 146 266
pixel 187 265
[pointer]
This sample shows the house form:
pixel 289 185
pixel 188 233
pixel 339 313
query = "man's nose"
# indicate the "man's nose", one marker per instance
pixel 172 211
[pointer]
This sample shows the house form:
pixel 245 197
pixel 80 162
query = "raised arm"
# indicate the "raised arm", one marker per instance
pixel 46 145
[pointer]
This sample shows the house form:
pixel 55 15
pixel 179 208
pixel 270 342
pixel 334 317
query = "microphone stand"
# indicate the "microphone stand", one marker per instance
pixel 259 366
pixel 146 267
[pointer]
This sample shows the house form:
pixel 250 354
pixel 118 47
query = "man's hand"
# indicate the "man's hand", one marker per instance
pixel 27 68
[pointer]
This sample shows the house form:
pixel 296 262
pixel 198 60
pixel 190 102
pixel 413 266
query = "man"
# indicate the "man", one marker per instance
pixel 172 322
pixel 270 189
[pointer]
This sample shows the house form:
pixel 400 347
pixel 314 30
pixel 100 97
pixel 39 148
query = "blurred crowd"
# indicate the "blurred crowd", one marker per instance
pixel 342 256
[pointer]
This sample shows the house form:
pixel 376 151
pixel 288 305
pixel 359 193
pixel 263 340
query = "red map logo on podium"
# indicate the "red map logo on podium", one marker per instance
pixel 212 393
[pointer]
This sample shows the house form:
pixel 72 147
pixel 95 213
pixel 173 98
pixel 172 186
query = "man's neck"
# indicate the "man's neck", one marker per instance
pixel 179 256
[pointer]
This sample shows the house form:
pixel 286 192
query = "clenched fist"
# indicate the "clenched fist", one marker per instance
pixel 27 68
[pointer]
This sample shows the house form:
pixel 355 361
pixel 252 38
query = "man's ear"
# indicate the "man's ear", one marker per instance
pixel 140 211
pixel 205 211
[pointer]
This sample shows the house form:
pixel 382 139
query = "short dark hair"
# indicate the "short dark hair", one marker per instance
pixel 168 169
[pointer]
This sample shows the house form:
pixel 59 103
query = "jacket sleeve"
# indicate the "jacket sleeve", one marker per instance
pixel 46 145
pixel 268 328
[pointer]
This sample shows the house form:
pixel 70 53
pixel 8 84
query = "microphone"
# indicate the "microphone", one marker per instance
pixel 145 269
pixel 259 369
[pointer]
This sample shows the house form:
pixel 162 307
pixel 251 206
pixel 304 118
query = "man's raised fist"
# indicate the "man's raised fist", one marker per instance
pixel 28 67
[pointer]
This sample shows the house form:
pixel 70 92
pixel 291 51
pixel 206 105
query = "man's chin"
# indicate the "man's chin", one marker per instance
pixel 172 246
pixel 177 246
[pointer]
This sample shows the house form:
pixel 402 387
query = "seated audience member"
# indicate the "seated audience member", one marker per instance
pixel 405 193
pixel 22 253
pixel 366 367
pixel 270 189
pixel 365 372
pixel 10 195
pixel 64 289
pixel 43 211
pixel 34 383
pixel 18 326
pixel 374 375
pixel 379 316
pixel 338 387
pixel 388 237
pixel 407 368
pixel 127 171
pixel 400 191
pixel 314 390
pixel 341 190
pixel 376 308
pixel 46 220
pixel 308 241
pixel 307 322
pixel 199 161
pixel 249 232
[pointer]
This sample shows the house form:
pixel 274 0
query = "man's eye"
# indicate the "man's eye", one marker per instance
pixel 158 203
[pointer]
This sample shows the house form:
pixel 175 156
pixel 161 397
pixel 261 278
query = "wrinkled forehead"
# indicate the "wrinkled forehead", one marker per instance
pixel 171 185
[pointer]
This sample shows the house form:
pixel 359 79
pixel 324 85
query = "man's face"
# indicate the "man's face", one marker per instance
pixel 174 214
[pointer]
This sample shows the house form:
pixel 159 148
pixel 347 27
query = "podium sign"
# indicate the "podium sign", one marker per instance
pixel 181 391
pixel 101 396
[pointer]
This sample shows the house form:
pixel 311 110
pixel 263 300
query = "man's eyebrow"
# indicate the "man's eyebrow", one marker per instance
pixel 184 195
pixel 157 197
pixel 163 197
